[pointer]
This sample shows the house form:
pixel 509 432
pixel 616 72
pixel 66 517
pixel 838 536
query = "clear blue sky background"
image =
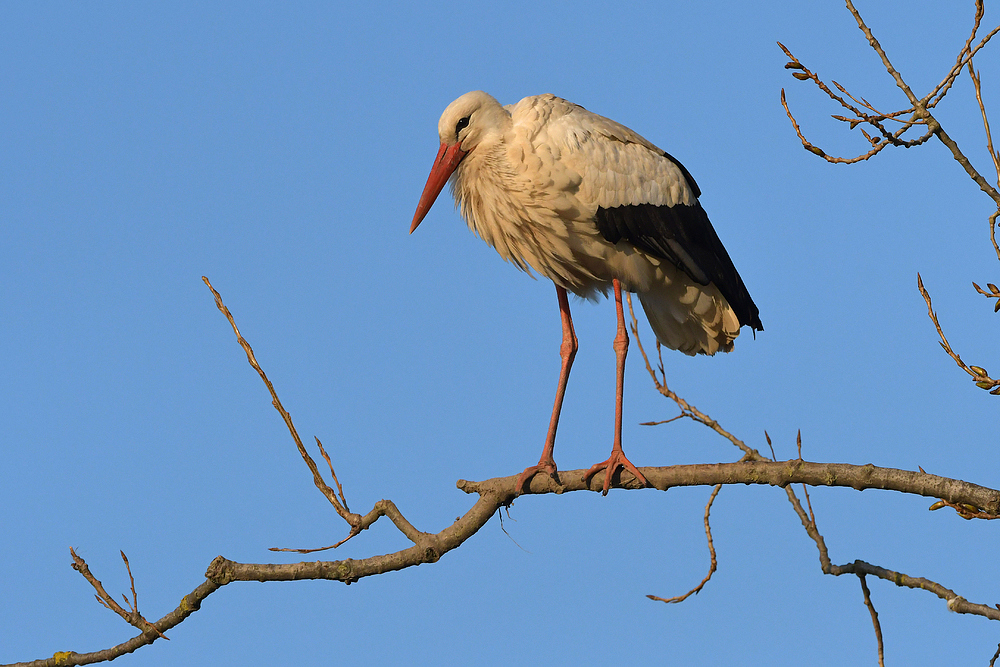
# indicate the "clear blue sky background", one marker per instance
pixel 280 149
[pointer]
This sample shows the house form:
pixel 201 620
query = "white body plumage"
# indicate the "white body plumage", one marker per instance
pixel 531 180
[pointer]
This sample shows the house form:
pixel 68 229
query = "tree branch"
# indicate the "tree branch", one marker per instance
pixel 500 492
pixel 713 562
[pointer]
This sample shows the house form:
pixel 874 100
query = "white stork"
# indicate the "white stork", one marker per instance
pixel 590 205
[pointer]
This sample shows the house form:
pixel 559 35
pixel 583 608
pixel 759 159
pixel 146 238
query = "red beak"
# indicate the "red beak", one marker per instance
pixel 445 164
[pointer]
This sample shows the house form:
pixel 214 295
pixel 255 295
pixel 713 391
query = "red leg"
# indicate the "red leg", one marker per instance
pixel 567 351
pixel 617 458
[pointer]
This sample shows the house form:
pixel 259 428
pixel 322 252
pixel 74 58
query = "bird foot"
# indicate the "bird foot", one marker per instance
pixel 615 461
pixel 548 467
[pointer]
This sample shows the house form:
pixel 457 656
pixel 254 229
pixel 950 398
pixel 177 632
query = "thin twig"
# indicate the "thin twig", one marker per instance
pixel 871 609
pixel 816 150
pixel 685 407
pixel 993 232
pixel 881 53
pixel 132 617
pixel 994 155
pixel 979 376
pixel 713 565
pixel 893 138
pixel 805 74
pixel 918 110
pixel 964 57
pixel 994 292
pixel 665 421
pixel 353 520
pixel 864 118
pixel 333 474
pixel 955 602
pixel 809 523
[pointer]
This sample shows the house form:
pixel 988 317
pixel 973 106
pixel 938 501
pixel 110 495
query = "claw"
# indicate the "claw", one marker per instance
pixel 524 479
pixel 615 461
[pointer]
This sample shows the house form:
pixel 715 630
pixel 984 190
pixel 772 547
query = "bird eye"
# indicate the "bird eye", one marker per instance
pixel 461 125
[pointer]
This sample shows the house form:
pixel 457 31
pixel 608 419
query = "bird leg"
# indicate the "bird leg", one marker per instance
pixel 567 351
pixel 617 458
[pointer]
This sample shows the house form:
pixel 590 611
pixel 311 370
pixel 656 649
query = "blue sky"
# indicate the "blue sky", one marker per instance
pixel 280 149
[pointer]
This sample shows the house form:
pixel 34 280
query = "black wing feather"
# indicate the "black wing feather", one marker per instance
pixel 684 236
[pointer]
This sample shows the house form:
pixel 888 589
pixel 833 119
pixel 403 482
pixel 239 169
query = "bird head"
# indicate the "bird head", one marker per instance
pixel 466 123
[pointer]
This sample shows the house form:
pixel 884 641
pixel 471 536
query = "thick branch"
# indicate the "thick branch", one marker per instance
pixel 499 492
pixel 773 473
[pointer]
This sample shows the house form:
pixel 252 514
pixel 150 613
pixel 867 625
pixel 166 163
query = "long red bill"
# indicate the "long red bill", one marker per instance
pixel 445 164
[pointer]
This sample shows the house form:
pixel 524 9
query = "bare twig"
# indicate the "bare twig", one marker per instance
pixel 871 609
pixel 132 616
pixel 713 565
pixel 809 523
pixel 993 232
pixel 979 375
pixel 954 601
pixel 881 53
pixel 812 515
pixel 918 109
pixel 964 57
pixel 995 156
pixel 665 421
pixel 353 520
pixel 805 74
pixel 333 474
pixel 816 150
pixel 864 118
pixel 686 408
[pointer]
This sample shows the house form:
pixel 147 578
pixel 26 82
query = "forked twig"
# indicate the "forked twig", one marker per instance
pixel 353 520
pixel 954 601
pixel 918 109
pixel 333 474
pixel 964 57
pixel 132 616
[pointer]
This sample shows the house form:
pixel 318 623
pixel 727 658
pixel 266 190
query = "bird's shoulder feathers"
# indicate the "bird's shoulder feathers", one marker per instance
pixel 604 162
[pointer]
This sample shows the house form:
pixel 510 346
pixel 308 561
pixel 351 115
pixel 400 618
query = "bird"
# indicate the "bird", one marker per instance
pixel 594 207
